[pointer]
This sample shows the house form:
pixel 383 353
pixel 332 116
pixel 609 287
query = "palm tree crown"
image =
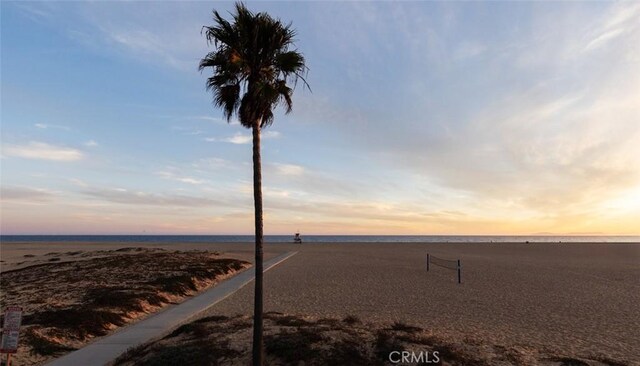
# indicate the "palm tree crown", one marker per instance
pixel 252 64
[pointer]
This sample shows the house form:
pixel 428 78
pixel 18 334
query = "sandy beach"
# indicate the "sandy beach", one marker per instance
pixel 580 299
pixel 574 299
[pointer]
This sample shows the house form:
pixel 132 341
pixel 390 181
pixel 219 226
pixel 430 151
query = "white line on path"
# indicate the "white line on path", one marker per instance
pixel 108 348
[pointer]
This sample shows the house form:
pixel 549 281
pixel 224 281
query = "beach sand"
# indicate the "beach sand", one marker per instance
pixel 578 299
pixel 15 255
pixel 571 299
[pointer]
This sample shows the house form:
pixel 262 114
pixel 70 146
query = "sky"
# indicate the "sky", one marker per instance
pixel 462 118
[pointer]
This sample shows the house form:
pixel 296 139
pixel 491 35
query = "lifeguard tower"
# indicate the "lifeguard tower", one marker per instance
pixel 297 238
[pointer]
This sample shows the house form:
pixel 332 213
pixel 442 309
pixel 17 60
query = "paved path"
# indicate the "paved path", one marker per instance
pixel 107 349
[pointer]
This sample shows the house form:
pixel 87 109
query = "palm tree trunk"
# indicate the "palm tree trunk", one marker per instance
pixel 257 201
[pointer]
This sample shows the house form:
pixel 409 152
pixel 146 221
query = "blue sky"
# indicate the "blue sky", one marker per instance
pixel 424 118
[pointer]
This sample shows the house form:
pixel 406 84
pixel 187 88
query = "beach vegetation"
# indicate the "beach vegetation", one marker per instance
pixel 293 346
pixel 89 298
pixel 288 320
pixel 308 341
pixel 351 319
pixel 405 327
pixel 44 346
pixel 196 329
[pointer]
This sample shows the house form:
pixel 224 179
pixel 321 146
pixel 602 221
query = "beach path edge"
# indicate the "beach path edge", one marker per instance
pixel 107 349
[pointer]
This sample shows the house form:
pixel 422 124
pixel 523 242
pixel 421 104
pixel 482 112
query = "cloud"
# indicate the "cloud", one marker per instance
pixel 208 119
pixel 564 38
pixel 271 134
pixel 145 44
pixel 544 130
pixel 622 18
pixel 44 126
pixel 238 139
pixel 138 39
pixel 43 151
pixel 216 120
pixel 363 211
pixel 540 130
pixel 91 143
pixel 604 38
pixel 40 13
pixel 167 35
pixel 371 217
pixel 23 194
pixel 535 151
pixel 241 139
pixel 174 176
pixel 187 131
pixel 211 163
pixel 124 196
pixel 307 183
pixel 289 169
pixel 78 182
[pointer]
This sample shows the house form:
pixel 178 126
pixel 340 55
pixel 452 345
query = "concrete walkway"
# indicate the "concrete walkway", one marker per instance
pixel 108 348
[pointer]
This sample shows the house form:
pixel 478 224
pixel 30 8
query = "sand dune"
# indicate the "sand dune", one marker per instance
pixel 71 298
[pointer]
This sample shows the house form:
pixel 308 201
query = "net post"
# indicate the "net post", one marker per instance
pixel 459 270
pixel 427 262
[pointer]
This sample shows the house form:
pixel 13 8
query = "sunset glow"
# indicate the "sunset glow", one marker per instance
pixel 424 118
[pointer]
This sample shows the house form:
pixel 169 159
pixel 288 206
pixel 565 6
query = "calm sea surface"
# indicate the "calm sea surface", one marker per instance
pixel 321 238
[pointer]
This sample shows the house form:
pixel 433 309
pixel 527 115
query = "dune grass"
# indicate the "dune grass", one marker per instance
pixel 299 340
pixel 90 297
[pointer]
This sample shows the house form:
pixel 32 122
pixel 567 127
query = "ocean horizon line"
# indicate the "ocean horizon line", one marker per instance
pixel 321 238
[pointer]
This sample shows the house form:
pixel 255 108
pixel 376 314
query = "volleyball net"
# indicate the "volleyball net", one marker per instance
pixel 453 264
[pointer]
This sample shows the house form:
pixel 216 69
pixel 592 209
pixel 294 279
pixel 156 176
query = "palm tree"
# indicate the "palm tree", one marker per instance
pixel 252 64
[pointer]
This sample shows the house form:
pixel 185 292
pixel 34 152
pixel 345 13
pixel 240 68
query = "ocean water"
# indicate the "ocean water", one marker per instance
pixel 324 238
